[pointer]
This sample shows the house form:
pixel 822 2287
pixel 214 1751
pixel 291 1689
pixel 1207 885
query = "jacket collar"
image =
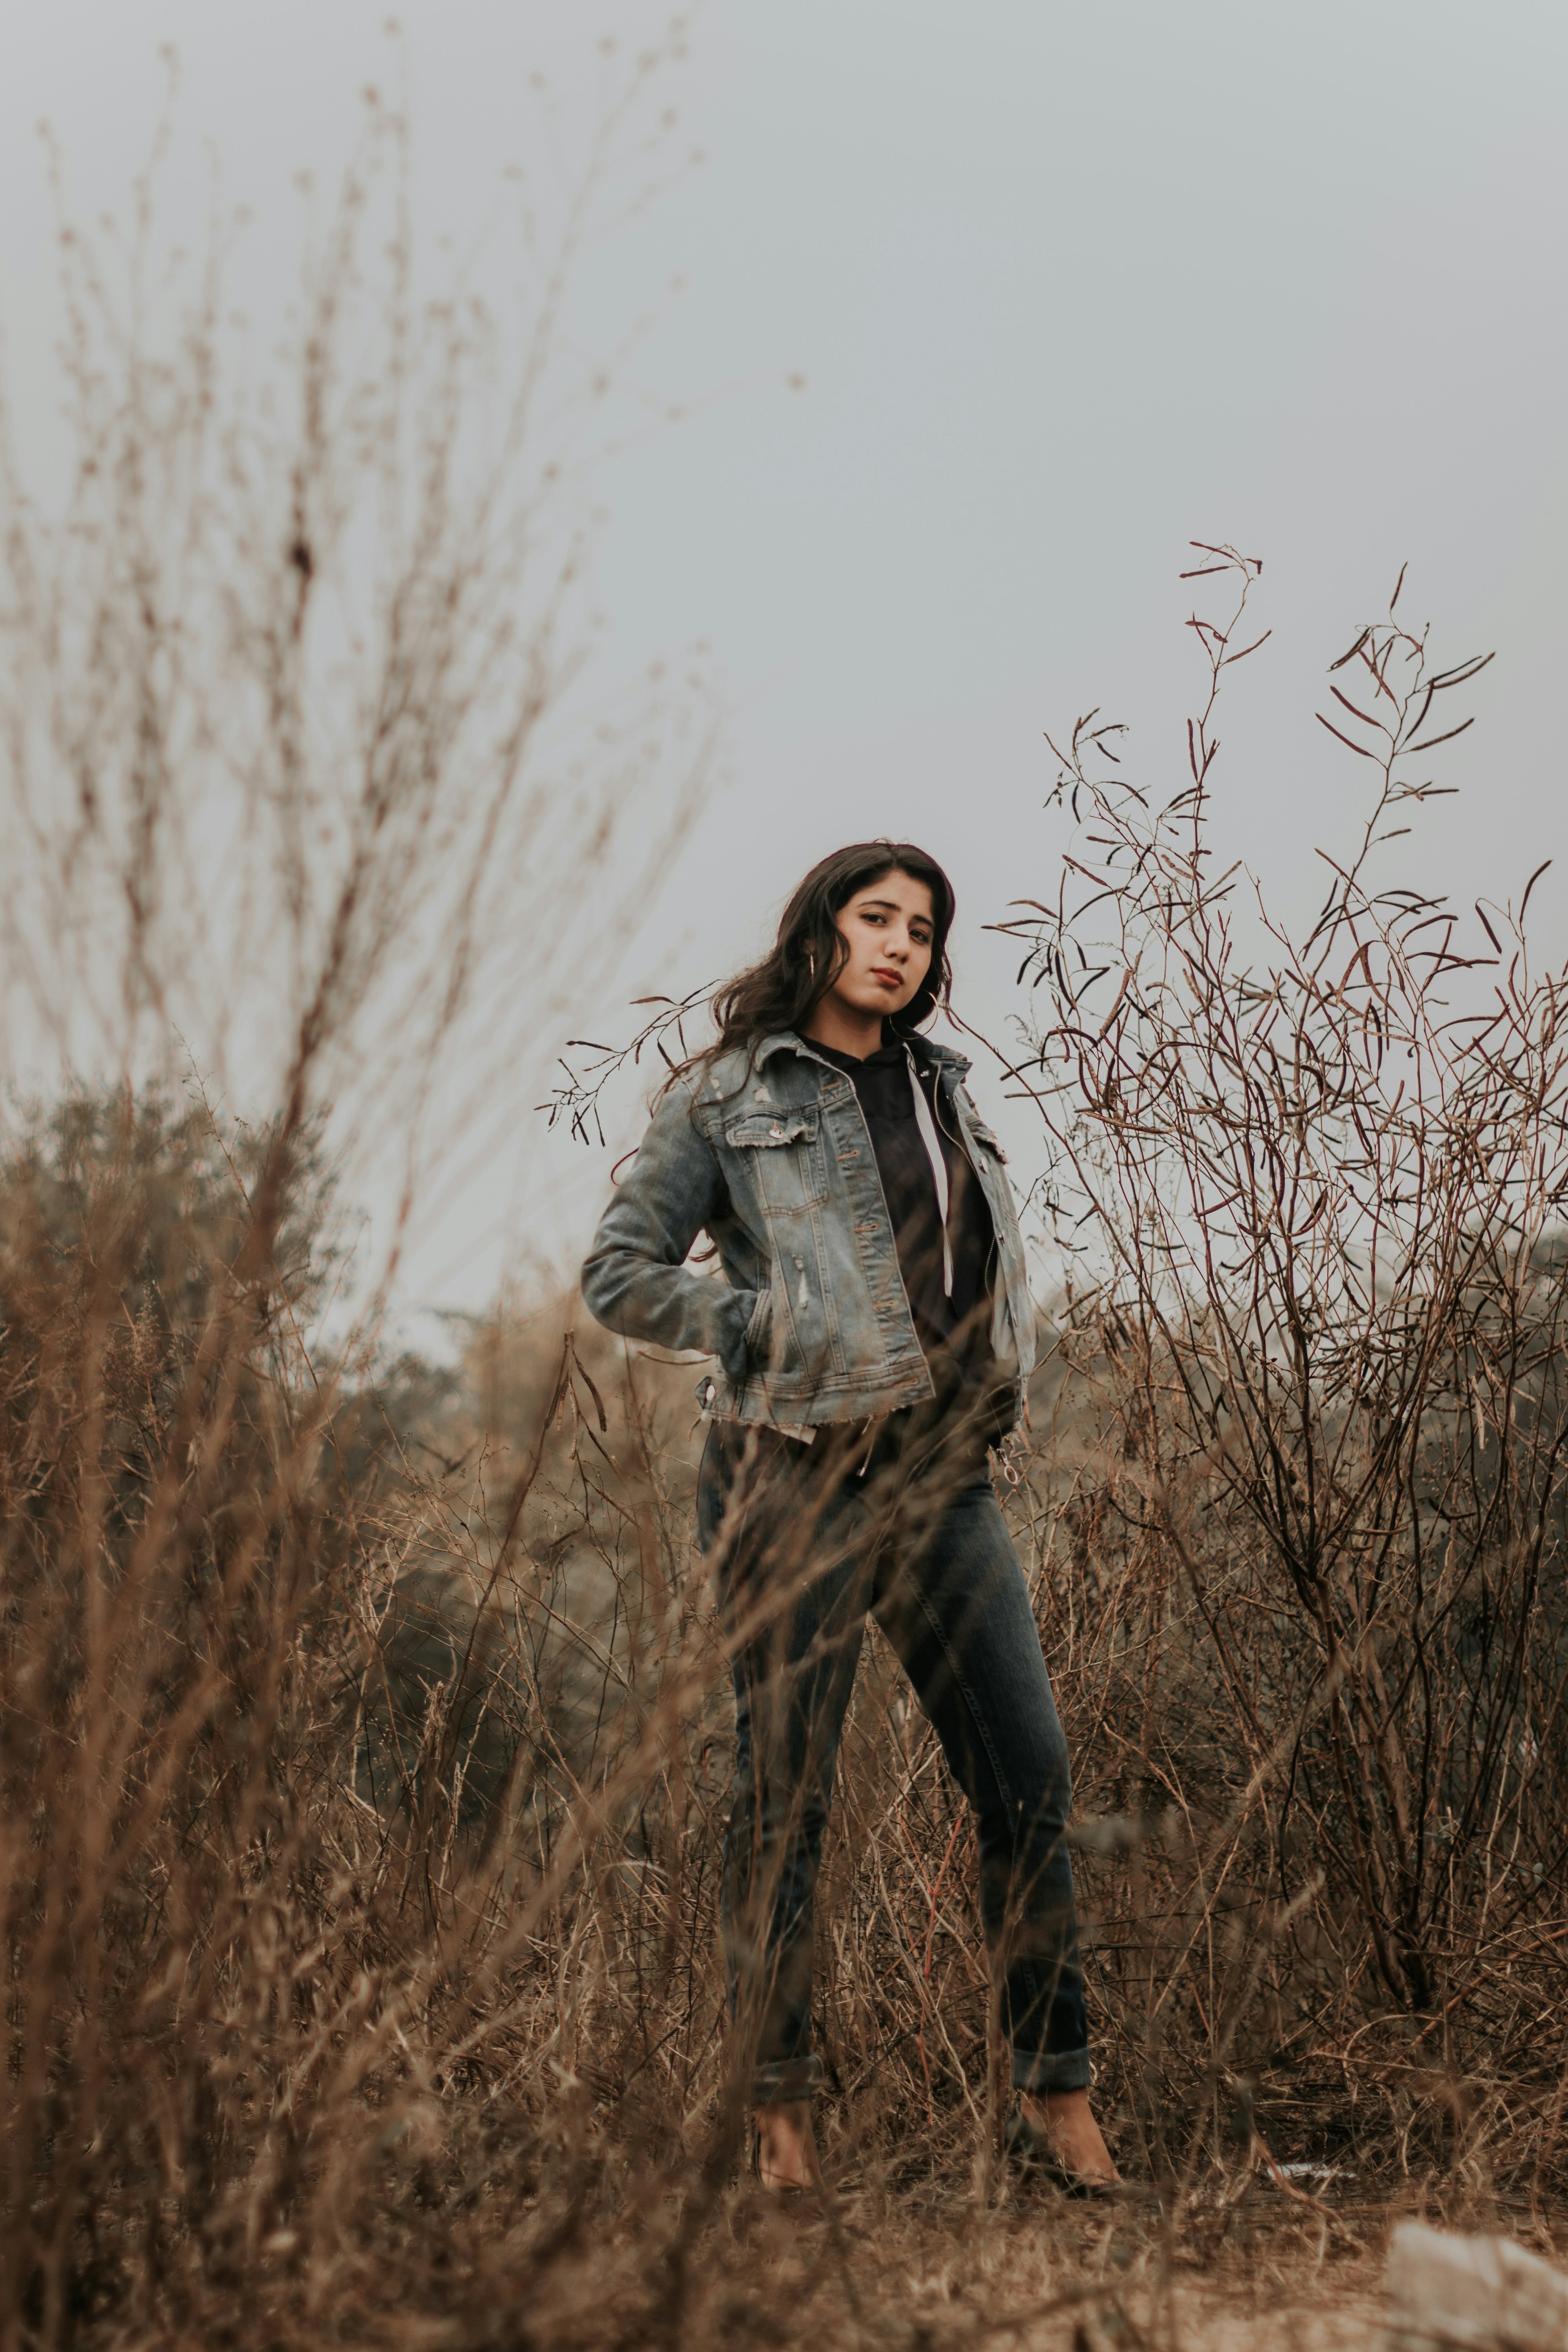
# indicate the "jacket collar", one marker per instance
pixel 946 1057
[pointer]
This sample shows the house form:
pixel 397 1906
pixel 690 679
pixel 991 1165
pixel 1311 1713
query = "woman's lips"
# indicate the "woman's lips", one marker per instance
pixel 889 979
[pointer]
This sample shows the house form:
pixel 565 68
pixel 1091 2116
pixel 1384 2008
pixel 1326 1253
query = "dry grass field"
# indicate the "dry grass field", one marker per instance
pixel 364 1734
pixel 365 1768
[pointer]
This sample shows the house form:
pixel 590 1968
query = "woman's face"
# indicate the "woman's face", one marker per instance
pixel 887 929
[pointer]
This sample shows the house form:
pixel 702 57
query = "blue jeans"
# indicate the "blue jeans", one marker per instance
pixel 802 1549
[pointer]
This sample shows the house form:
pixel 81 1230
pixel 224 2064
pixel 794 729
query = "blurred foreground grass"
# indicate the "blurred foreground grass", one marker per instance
pixel 365 1739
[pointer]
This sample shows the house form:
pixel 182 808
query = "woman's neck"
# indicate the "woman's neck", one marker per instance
pixel 843 1028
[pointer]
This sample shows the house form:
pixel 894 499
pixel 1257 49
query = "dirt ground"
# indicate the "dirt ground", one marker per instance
pixel 1258 2299
pixel 1225 2313
pixel 1053 2278
pixel 931 2269
pixel 1210 2320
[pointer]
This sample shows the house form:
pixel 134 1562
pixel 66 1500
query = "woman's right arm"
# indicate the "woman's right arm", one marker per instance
pixel 635 1278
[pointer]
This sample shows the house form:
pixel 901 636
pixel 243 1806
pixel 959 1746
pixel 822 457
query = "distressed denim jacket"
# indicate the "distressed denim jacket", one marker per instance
pixel 768 1151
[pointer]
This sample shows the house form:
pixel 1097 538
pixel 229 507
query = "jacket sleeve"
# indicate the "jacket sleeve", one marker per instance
pixel 635 1278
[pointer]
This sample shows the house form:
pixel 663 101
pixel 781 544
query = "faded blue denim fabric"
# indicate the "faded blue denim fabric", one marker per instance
pixel 938 1569
pixel 768 1151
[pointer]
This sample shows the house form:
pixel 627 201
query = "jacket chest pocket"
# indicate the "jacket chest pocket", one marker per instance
pixel 784 1152
pixel 986 1141
pixel 977 1129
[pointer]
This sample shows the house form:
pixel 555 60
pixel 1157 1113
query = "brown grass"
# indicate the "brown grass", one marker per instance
pixel 365 1731
pixel 361 1969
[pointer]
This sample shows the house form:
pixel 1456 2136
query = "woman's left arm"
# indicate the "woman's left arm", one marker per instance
pixel 635 1278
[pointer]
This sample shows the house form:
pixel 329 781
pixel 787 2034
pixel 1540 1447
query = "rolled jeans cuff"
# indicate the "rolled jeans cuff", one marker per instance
pixel 1052 2069
pixel 787 2078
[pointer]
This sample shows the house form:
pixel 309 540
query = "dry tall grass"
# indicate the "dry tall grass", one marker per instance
pixel 366 1771
pixel 365 1727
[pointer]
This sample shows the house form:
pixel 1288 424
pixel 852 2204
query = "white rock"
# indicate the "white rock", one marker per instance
pixel 1471 2294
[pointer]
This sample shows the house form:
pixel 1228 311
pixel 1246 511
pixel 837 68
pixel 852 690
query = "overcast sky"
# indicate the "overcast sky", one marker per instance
pixel 1069 286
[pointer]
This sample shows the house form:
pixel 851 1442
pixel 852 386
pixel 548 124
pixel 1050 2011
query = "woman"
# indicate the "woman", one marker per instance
pixel 874 1334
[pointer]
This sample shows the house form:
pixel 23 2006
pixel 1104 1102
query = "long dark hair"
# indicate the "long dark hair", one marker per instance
pixel 809 953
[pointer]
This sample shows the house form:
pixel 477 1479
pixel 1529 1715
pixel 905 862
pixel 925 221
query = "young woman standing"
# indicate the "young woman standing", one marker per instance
pixel 874 1334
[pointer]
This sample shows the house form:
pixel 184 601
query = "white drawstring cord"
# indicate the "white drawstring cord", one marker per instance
pixel 932 1142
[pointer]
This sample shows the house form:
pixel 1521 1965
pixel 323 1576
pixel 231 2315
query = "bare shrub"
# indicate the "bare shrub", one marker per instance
pixel 297 788
pixel 1322 1358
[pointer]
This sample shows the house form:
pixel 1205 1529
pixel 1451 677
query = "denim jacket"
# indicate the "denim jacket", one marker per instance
pixel 766 1150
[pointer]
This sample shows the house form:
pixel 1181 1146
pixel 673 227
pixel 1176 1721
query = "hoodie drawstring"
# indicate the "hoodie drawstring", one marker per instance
pixel 932 1142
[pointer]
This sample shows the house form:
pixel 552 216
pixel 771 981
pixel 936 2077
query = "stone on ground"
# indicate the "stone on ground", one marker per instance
pixel 1449 2294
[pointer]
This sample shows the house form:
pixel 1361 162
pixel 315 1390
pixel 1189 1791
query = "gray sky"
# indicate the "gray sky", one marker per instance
pixel 1069 286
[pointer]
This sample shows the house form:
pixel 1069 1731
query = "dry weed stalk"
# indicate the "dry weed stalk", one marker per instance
pixel 1326 1186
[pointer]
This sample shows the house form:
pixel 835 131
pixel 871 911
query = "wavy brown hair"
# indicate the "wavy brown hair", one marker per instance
pixel 809 952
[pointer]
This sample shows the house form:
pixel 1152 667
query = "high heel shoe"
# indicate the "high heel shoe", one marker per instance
pixel 1031 2151
pixel 786 2189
